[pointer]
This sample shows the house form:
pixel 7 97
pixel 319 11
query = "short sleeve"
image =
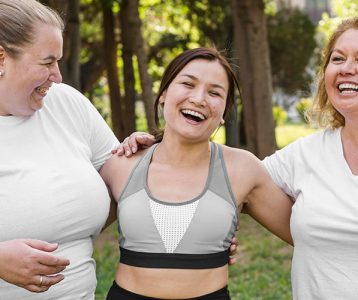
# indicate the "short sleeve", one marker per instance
pixel 84 122
pixel 102 139
pixel 280 167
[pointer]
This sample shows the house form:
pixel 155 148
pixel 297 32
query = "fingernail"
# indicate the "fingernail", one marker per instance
pixel 134 149
pixel 128 152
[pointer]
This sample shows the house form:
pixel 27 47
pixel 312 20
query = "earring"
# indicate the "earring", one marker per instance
pixel 222 122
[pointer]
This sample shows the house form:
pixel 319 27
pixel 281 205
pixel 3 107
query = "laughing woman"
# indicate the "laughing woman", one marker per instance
pixel 179 200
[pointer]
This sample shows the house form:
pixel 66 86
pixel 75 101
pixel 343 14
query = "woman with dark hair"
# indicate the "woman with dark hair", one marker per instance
pixel 179 200
pixel 320 173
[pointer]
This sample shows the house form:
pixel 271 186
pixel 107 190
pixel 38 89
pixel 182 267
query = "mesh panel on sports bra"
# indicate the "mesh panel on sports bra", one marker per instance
pixel 172 221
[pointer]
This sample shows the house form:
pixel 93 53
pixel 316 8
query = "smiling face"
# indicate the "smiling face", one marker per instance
pixel 194 102
pixel 341 74
pixel 28 77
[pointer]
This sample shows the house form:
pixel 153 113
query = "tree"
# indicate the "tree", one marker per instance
pixel 111 46
pixel 291 37
pixel 140 51
pixel 128 50
pixel 250 39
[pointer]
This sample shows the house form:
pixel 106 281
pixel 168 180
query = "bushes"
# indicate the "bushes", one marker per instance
pixel 302 106
pixel 280 115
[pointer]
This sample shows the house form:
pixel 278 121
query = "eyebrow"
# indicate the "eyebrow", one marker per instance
pixel 212 84
pixel 340 51
pixel 52 58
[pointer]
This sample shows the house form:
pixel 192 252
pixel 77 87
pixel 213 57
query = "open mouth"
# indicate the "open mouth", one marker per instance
pixel 42 90
pixel 193 115
pixel 348 88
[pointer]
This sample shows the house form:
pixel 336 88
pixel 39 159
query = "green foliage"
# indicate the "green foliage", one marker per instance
pixel 345 8
pixel 341 9
pixel 291 41
pixel 302 106
pixel 169 27
pixel 279 114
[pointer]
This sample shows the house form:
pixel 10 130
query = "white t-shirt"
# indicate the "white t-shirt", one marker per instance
pixel 50 188
pixel 324 220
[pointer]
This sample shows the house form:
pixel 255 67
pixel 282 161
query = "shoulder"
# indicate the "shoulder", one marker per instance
pixel 312 139
pixel 304 146
pixel 120 166
pixel 117 171
pixel 239 157
pixel 244 168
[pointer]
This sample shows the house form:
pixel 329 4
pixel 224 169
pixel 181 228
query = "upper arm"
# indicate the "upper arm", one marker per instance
pixel 116 172
pixel 270 206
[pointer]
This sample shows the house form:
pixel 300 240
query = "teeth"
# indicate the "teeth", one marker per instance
pixel 42 90
pixel 193 113
pixel 349 86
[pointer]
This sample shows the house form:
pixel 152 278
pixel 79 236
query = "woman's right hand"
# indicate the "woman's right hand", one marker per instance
pixel 30 264
pixel 131 143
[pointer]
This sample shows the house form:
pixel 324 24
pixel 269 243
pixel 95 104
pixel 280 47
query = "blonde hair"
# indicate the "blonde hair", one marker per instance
pixel 18 21
pixel 322 112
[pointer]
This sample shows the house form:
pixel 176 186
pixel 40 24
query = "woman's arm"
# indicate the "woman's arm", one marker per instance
pixel 269 205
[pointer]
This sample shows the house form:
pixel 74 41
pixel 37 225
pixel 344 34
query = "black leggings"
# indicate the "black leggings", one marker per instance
pixel 118 293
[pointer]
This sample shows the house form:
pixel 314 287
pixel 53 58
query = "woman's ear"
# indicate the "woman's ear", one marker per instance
pixel 2 56
pixel 162 98
pixel 2 61
pixel 222 122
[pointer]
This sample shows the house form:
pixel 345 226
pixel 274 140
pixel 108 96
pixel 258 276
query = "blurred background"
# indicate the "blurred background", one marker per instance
pixel 115 52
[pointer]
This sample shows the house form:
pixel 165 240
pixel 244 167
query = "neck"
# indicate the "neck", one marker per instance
pixel 350 133
pixel 182 154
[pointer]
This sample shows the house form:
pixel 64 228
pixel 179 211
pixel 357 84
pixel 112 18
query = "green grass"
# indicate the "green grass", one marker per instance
pixel 263 268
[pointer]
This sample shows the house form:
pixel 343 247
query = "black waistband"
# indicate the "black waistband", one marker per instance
pixel 116 292
pixel 174 260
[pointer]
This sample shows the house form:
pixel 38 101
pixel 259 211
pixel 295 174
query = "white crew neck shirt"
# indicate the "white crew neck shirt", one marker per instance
pixel 324 220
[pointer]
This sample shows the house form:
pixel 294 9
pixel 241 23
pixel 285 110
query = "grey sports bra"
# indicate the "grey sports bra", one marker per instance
pixel 194 234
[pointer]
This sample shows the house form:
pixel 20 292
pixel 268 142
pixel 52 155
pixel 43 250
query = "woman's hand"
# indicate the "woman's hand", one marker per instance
pixel 232 252
pixel 30 264
pixel 131 143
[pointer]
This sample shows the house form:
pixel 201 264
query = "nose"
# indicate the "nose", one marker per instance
pixel 55 75
pixel 350 66
pixel 198 96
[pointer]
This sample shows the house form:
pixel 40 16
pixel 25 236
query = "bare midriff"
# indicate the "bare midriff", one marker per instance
pixel 171 283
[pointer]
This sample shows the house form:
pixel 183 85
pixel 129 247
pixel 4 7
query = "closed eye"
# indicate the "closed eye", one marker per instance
pixel 188 84
pixel 216 94
pixel 337 59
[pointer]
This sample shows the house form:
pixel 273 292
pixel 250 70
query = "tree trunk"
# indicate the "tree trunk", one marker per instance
pixel 146 81
pixel 250 38
pixel 110 58
pixel 231 128
pixel 127 21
